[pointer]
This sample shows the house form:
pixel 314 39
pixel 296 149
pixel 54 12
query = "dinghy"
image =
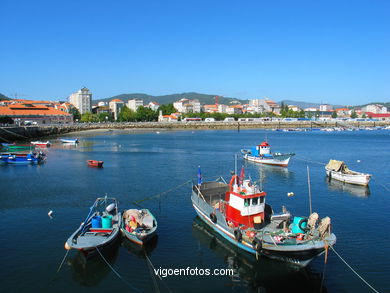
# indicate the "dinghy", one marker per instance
pixel 139 226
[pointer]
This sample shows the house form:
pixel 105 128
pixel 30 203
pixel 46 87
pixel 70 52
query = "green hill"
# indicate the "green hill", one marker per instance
pixel 168 99
pixel 2 97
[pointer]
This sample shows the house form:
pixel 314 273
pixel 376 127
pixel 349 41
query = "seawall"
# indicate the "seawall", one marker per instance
pixel 26 133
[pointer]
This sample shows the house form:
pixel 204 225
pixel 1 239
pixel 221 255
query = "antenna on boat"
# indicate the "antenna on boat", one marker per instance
pixel 308 183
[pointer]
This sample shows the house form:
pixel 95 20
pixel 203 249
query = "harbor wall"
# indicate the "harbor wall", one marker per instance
pixel 25 133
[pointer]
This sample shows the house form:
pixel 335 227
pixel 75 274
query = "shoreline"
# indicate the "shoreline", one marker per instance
pixel 23 133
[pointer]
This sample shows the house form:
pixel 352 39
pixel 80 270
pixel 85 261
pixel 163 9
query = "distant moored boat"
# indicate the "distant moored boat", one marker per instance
pixel 94 163
pixel 262 154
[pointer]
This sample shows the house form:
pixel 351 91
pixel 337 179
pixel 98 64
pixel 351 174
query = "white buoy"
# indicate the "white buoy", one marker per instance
pixel 358 161
pixel 50 213
pixel 289 194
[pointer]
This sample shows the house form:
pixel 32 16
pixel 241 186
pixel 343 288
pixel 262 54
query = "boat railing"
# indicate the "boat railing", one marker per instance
pixel 196 189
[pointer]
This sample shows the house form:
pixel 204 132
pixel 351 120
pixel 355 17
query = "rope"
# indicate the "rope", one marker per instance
pixel 161 193
pixel 152 266
pixel 116 273
pixel 309 161
pixel 360 277
pixel 62 262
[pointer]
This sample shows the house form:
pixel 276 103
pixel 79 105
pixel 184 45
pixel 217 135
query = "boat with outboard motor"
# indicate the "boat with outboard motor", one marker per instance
pixel 238 212
pixel 41 143
pixel 262 154
pixel 338 170
pixel 100 228
pixel 69 140
pixel 139 226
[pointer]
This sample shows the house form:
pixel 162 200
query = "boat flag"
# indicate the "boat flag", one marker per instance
pixel 242 175
pixel 199 176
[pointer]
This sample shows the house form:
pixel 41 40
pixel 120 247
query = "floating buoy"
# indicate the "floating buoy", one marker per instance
pixel 50 213
pixel 289 194
pixel 358 161
pixel 67 247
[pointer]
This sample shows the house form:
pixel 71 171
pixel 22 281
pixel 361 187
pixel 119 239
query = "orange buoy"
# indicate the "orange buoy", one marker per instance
pixel 67 247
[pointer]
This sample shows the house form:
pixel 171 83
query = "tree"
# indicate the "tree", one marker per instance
pixel 364 115
pixel 167 109
pixel 353 114
pixel 126 114
pixel 145 114
pixel 75 112
pixel 334 114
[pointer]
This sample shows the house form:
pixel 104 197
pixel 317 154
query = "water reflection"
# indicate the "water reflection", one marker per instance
pixel 139 250
pixel 264 171
pixel 91 271
pixel 356 190
pixel 263 275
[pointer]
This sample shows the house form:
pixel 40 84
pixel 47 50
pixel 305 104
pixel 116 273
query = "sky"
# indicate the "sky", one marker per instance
pixel 330 51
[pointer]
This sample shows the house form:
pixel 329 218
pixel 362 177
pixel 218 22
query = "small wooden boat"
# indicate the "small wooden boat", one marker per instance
pixel 100 228
pixel 69 140
pixel 338 170
pixel 21 147
pixel 94 163
pixel 41 143
pixel 139 226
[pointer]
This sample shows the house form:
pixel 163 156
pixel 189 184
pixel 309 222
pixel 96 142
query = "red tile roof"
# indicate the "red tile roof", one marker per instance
pixel 23 110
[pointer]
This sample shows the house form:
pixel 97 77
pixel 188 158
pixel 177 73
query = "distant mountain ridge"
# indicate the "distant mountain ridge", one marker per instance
pixel 2 97
pixel 204 99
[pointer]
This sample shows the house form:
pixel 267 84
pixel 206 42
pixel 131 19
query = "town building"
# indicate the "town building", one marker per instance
pixel 187 106
pixel 236 109
pixel 40 114
pixel 82 100
pixel 210 108
pixel 265 105
pixel 375 108
pixel 326 108
pixel 343 112
pixel 153 106
pixel 222 108
pixel 116 106
pixel 379 116
pixel 294 108
pixel 134 104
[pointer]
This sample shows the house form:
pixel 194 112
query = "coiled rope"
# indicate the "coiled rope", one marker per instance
pixel 356 273
pixel 116 273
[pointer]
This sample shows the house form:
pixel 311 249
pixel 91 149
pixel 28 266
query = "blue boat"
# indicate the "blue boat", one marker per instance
pixel 22 158
pixel 100 228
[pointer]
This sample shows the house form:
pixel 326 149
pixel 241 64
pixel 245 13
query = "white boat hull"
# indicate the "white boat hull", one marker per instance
pixel 358 178
pixel 283 162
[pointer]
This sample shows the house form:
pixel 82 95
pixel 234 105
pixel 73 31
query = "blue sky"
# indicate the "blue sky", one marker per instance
pixel 321 51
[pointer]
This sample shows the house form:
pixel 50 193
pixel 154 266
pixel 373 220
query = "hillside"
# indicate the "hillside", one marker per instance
pixel 2 97
pixel 387 105
pixel 304 105
pixel 167 99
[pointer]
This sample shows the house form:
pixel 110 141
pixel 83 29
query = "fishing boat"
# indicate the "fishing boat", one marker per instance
pixel 69 140
pixel 22 158
pixel 20 147
pixel 139 226
pixel 338 170
pixel 41 143
pixel 94 163
pixel 237 211
pixel 100 228
pixel 262 154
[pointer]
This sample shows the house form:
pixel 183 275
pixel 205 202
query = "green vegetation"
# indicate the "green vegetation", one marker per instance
pixel 76 114
pixel 222 116
pixel 101 117
pixel 142 114
pixel 353 114
pixel 167 109
pixel 285 112
pixel 334 114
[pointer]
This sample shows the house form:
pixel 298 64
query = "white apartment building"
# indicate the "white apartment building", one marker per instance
pixel 222 108
pixel 265 105
pixel 375 108
pixel 116 106
pixel 82 100
pixel 326 108
pixel 134 104
pixel 153 106
pixel 187 106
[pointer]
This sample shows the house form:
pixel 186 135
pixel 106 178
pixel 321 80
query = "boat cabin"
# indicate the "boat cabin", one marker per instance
pixel 263 149
pixel 245 203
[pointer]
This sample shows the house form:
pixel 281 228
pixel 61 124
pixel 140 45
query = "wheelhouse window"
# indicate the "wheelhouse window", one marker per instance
pixel 255 201
pixel 262 199
pixel 246 202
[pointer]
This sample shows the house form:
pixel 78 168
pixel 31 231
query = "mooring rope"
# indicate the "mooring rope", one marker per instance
pixel 356 273
pixel 154 269
pixel 116 273
pixel 161 193
pixel 150 268
pixel 62 262
pixel 310 161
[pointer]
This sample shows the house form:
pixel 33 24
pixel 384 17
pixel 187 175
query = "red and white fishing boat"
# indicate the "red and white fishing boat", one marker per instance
pixel 94 163
pixel 262 154
pixel 41 143
pixel 237 211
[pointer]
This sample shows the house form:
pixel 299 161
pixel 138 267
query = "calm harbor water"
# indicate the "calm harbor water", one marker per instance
pixel 140 165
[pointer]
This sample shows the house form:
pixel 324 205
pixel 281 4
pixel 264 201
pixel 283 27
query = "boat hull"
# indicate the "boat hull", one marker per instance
pixel 281 161
pixel 357 179
pixel 96 164
pixel 140 238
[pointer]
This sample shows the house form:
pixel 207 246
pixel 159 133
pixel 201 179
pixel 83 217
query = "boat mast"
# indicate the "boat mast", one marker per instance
pixel 308 183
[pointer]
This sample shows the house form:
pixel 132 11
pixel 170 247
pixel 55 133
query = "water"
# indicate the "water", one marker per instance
pixel 139 165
